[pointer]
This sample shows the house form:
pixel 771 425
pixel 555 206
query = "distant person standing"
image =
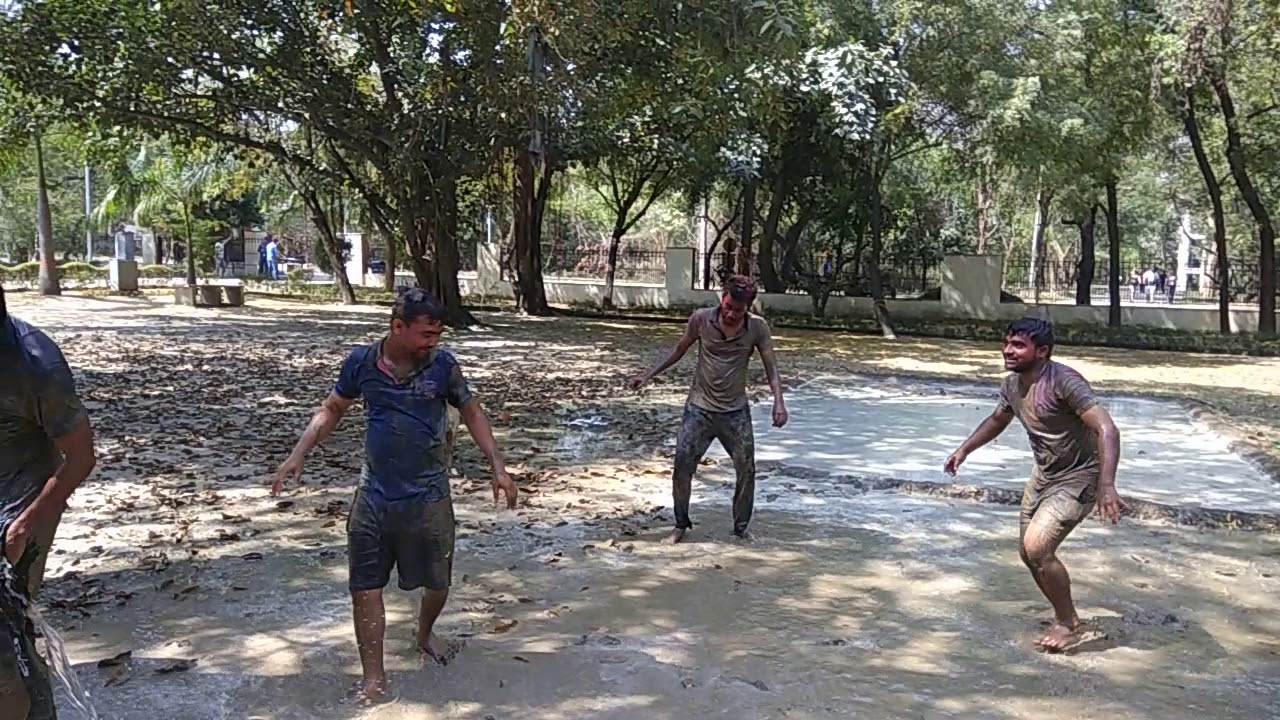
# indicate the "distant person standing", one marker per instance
pixel 273 259
pixel 262 256
pixel 220 257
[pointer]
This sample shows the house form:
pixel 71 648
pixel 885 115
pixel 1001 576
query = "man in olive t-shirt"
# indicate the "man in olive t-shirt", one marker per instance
pixel 717 407
pixel 1076 449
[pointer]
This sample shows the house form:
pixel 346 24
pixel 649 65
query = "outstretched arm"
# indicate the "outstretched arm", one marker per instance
pixel 687 340
pixel 1099 421
pixel 317 431
pixel 988 430
pixel 322 424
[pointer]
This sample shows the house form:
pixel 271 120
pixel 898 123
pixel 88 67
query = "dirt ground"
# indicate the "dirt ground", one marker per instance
pixel 852 602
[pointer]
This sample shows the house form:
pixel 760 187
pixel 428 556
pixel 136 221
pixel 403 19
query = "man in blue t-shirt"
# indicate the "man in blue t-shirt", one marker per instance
pixel 402 514
pixel 46 451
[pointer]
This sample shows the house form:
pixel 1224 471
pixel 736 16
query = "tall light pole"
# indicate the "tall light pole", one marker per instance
pixel 88 216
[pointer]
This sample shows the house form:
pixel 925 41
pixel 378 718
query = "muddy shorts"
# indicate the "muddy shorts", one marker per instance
pixel 413 536
pixel 1056 510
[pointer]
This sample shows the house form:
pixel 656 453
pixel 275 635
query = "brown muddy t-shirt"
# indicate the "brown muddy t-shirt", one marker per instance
pixel 720 380
pixel 1065 449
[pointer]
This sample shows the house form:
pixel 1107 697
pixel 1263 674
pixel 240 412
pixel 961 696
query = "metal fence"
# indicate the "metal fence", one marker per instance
pixel 899 277
pixel 1055 281
pixel 638 266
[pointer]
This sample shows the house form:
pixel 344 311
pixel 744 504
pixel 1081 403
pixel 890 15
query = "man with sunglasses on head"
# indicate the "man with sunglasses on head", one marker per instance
pixel 402 513
pixel 717 407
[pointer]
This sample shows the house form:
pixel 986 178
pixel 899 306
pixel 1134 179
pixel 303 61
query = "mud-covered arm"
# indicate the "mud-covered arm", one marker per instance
pixel 325 419
pixel 474 417
pixel 1097 419
pixel 989 429
pixel 686 341
pixel 764 345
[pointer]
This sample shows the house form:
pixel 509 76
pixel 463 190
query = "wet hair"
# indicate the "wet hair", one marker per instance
pixel 741 288
pixel 414 304
pixel 1039 332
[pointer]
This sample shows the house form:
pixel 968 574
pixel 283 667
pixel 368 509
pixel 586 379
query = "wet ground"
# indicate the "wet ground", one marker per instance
pixel 852 601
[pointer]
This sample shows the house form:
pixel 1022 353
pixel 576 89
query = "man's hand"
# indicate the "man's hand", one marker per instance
pixel 779 414
pixel 290 468
pixel 16 538
pixel 502 483
pixel 954 461
pixel 639 381
pixel 1110 505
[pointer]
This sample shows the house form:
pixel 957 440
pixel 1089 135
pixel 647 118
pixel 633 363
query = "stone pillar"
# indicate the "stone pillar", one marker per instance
pixel 971 286
pixel 357 259
pixel 123 270
pixel 679 276
pixel 488 269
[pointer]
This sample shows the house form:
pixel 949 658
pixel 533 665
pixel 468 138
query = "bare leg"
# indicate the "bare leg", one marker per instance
pixel 1040 553
pixel 429 644
pixel 371 622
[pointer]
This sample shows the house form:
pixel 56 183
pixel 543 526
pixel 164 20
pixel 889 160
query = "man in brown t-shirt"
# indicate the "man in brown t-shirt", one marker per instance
pixel 718 408
pixel 1076 448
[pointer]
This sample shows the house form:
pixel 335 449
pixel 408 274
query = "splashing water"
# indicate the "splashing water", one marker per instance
pixel 55 652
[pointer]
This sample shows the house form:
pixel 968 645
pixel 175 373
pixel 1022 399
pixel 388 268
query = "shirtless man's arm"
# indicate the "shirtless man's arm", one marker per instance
pixel 988 430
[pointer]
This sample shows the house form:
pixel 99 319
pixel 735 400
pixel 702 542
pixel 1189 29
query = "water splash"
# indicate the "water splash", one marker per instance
pixel 55 652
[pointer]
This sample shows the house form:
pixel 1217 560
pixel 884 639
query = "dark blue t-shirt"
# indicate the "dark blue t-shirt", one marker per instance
pixel 38 403
pixel 405 422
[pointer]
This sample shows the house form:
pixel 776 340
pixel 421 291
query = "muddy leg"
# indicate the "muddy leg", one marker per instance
pixel 697 429
pixel 424 540
pixel 1053 521
pixel 736 434
pixel 371 623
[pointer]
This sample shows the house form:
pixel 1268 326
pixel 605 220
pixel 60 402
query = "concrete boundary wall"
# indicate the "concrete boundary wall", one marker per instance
pixel 970 291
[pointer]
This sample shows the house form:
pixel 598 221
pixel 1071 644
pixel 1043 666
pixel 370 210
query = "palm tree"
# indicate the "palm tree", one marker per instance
pixel 162 179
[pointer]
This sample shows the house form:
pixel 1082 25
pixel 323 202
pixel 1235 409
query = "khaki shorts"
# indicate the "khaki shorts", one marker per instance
pixel 1056 510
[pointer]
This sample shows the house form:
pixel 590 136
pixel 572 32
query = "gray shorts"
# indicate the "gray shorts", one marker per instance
pixel 413 536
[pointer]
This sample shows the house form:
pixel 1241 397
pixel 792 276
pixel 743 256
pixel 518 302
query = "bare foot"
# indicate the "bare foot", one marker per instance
pixel 676 536
pixel 744 536
pixel 369 692
pixel 439 650
pixel 1060 636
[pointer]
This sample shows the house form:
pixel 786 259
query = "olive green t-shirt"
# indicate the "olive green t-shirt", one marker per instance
pixel 720 380
pixel 1065 449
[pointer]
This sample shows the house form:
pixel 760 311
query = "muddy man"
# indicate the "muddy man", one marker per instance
pixel 402 513
pixel 1076 448
pixel 717 407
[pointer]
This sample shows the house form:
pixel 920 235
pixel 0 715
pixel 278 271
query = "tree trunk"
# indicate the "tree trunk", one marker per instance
pixel 530 200
pixel 1085 268
pixel 615 244
pixel 881 308
pixel 49 284
pixel 1192 125
pixel 1261 216
pixel 984 207
pixel 444 253
pixel 389 277
pixel 748 224
pixel 191 245
pixel 1043 198
pixel 331 246
pixel 1113 255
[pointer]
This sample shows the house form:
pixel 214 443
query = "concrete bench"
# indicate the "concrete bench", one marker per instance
pixel 208 295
